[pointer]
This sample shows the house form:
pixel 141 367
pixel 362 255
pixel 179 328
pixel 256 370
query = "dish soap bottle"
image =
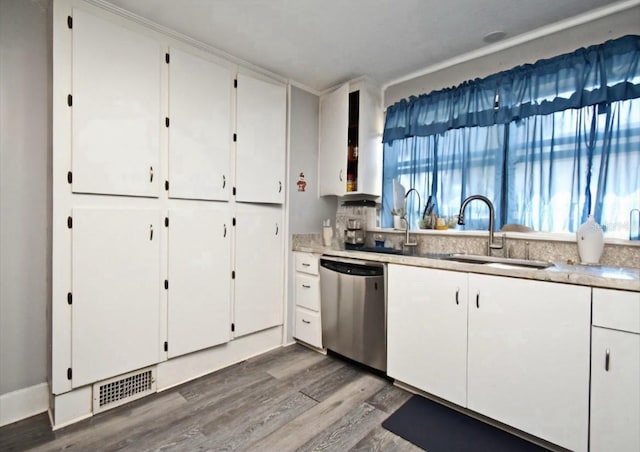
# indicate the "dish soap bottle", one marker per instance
pixel 590 241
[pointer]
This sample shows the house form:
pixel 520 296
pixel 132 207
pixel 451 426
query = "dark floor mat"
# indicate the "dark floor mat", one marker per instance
pixel 436 428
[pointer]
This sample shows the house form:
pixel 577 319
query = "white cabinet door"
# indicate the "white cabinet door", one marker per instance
pixel 332 159
pixel 528 356
pixel 199 279
pixel 261 146
pixel 427 330
pixel 259 274
pixel 116 114
pixel 200 94
pixel 116 292
pixel 615 391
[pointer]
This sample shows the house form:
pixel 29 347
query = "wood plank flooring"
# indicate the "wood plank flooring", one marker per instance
pixel 288 399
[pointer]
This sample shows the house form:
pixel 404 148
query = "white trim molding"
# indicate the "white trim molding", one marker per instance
pixel 23 403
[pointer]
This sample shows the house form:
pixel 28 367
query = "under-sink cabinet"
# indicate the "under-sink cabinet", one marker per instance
pixel 308 327
pixel 513 350
pixel 615 371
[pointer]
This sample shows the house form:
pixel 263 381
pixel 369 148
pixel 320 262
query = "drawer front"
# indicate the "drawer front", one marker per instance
pixel 308 327
pixel 308 291
pixel 306 263
pixel 616 309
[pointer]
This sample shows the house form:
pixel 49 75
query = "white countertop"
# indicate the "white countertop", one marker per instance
pixel 622 278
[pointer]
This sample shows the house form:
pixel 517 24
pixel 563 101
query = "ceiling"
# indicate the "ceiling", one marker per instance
pixel 321 43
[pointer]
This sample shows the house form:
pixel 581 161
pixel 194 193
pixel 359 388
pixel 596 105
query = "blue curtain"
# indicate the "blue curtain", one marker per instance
pixel 548 143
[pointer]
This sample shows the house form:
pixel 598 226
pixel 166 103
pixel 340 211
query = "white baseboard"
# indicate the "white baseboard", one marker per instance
pixel 23 403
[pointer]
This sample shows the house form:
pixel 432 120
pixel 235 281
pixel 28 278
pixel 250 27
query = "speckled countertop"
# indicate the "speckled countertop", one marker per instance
pixel 622 278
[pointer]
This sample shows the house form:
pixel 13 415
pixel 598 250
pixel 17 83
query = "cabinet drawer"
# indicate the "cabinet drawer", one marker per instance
pixel 308 327
pixel 616 309
pixel 307 263
pixel 308 291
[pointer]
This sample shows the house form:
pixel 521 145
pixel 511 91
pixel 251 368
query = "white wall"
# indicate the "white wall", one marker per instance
pixel 595 32
pixel 25 180
pixel 306 209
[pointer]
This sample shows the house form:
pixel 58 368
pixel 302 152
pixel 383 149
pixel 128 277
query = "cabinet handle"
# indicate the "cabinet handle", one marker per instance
pixel 457 293
pixel 340 176
pixel 478 300
pixel 305 321
pixel 150 232
pixel 306 264
pixel 306 286
pixel 151 174
pixel 225 231
pixel 279 186
pixel 224 181
pixel 606 360
pixel 277 229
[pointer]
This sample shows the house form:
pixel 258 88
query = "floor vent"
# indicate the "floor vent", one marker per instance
pixel 123 389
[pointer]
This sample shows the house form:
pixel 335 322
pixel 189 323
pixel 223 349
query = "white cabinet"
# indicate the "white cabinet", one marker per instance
pixel 308 326
pixel 350 119
pixel 115 292
pixel 258 268
pixel 261 140
pixel 199 278
pixel 528 356
pixel 116 114
pixel 615 371
pixel 427 330
pixel 200 136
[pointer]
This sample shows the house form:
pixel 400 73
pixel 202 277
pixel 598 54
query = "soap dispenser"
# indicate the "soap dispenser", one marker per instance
pixel 590 241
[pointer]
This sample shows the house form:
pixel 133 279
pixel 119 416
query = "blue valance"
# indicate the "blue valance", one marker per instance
pixel 594 75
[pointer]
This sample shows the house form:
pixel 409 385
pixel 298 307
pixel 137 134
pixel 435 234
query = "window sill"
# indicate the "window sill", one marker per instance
pixel 540 236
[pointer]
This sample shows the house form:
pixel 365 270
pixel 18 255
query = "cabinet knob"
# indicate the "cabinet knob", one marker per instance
pixel 279 186
pixel 224 181
pixel 607 355
pixel 306 286
pixel 151 174
pixel 150 232
pixel 457 296
pixel 305 321
pixel 224 234
pixel 478 300
pixel 277 228
pixel 340 176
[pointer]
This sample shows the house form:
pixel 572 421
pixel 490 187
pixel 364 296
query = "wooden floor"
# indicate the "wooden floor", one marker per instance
pixel 288 399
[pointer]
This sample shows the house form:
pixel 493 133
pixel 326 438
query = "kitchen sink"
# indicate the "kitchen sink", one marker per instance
pixel 499 262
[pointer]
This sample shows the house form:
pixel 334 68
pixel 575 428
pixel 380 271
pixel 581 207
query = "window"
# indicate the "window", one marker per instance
pixel 548 143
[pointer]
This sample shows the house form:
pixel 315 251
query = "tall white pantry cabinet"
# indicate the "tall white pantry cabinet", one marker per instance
pixel 162 271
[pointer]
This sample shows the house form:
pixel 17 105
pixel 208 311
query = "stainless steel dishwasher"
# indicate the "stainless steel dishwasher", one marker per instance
pixel 353 302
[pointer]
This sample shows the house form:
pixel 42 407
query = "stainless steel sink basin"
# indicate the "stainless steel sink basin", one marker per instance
pixel 500 262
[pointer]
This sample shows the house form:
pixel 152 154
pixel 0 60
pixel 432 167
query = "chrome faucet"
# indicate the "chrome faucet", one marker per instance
pixel 406 220
pixel 490 244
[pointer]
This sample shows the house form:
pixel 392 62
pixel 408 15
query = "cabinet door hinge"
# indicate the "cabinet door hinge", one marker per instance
pixel 69 222
pixel 166 185
pixel 235 83
pixel 166 284
pixel 166 222
pixel 233 327
pixel 69 177
pixel 69 100
pixel 166 346
pixel 69 298
pixel 166 122
pixel 70 22
pixel 69 373
pixel 166 58
pixel 233 222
